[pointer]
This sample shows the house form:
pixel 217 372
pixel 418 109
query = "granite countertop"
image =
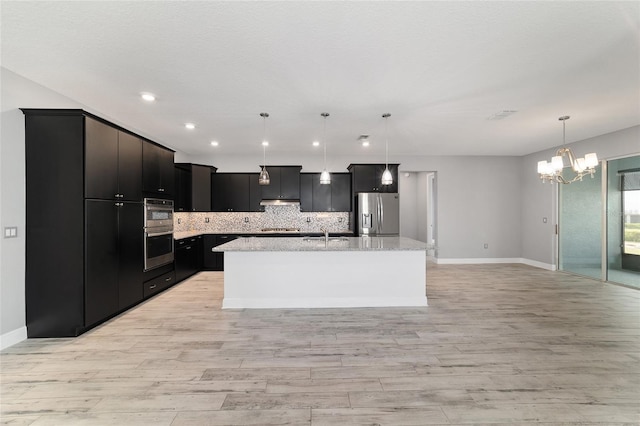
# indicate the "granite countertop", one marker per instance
pixel 188 234
pixel 253 244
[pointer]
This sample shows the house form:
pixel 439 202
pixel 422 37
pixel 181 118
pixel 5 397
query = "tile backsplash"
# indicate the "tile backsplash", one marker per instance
pixel 272 217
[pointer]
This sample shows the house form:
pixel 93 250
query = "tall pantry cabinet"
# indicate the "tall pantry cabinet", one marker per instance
pixel 84 230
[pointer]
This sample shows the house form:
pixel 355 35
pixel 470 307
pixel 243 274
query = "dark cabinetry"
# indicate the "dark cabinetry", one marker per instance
pixel 335 197
pixel 285 183
pixel 188 252
pixel 113 163
pixel 214 261
pixel 368 177
pixel 114 258
pixel 84 239
pixel 159 283
pixel 235 192
pixel 158 178
pixel 192 187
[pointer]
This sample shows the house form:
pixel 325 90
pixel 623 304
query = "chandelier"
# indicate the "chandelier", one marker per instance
pixel 552 170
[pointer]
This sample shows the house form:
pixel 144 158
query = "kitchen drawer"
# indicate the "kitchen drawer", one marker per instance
pixel 159 283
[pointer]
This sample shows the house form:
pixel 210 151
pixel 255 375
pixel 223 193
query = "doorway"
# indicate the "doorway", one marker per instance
pixel 418 207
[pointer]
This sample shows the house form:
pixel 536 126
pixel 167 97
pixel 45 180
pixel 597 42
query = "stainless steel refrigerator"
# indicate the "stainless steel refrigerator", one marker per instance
pixel 378 214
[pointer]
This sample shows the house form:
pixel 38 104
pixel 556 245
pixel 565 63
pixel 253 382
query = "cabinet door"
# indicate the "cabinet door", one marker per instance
pixel 209 258
pixel 272 191
pixel 129 167
pixel 364 178
pixel 340 192
pixel 290 183
pixel 200 188
pixel 131 254
pixel 237 192
pixel 182 195
pixel 183 254
pixel 255 193
pixel 102 260
pixel 157 170
pixel 151 167
pixel 218 193
pixel 101 160
pixel 306 192
pixel 321 194
pixel 166 172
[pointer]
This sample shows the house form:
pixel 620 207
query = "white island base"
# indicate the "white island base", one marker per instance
pixel 324 278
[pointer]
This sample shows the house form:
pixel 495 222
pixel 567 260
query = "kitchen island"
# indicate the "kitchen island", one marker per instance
pixel 315 272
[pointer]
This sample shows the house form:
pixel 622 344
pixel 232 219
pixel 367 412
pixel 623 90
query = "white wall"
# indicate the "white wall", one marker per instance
pixel 409 200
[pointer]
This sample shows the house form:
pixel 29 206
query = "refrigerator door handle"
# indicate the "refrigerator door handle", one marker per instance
pixel 381 215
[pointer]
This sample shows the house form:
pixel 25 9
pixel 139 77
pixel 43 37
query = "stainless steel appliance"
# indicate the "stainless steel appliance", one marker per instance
pixel 378 214
pixel 158 233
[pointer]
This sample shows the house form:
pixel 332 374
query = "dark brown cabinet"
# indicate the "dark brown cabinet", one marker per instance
pixel 84 243
pixel 192 187
pixel 158 178
pixel 285 183
pixel 235 192
pixel 334 197
pixel 368 177
pixel 113 163
pixel 214 261
pixel 114 258
pixel 188 254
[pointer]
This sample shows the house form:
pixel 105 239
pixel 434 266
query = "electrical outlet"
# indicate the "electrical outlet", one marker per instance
pixel 11 232
pixel 486 245
pixel 340 219
pixel 308 220
pixel 206 220
pixel 179 221
pixel 246 220
pixel 544 220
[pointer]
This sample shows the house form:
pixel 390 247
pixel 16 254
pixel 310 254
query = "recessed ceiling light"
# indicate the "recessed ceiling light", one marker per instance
pixel 265 143
pixel 190 126
pixel 316 143
pixel 149 97
pixel 214 143
pixel 364 139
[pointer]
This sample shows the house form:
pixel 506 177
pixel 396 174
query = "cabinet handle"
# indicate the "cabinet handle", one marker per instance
pixel 188 248
pixel 167 279
pixel 160 189
pixel 119 204
pixel 152 286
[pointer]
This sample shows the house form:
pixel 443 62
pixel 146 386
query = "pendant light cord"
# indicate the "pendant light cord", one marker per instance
pixel 386 141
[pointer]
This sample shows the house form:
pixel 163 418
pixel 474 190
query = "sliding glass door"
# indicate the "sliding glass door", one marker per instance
pixel 584 236
pixel 580 227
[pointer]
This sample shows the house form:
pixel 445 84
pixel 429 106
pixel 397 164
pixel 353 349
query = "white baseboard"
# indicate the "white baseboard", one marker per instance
pixel 479 260
pixel 13 337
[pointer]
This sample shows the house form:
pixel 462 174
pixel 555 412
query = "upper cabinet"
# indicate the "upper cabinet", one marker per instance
pixel 113 161
pixel 284 183
pixel 158 177
pixel 235 192
pixel 192 187
pixel 335 197
pixel 368 177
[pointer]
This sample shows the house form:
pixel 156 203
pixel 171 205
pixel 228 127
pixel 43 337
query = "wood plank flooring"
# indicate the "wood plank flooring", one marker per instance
pixel 498 344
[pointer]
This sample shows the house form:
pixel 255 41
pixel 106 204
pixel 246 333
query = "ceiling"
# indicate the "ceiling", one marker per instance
pixel 442 69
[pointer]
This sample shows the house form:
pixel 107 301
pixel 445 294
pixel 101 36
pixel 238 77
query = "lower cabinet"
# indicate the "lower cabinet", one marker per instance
pixel 159 283
pixel 214 261
pixel 114 258
pixel 188 257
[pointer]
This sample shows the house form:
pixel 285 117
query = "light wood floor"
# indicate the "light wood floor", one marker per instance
pixel 504 344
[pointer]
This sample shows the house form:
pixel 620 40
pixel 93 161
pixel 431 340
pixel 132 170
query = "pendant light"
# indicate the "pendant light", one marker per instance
pixel 325 177
pixel 263 179
pixel 387 178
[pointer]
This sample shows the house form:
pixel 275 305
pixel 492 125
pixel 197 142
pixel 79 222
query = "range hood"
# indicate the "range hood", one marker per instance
pixel 279 202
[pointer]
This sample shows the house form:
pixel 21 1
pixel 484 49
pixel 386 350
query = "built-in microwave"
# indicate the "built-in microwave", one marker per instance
pixel 158 233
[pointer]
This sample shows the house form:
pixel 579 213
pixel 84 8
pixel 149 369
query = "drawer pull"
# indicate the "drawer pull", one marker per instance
pixel 167 279
pixel 152 286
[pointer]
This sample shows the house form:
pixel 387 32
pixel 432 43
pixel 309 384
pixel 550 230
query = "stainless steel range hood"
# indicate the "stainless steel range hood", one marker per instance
pixel 280 202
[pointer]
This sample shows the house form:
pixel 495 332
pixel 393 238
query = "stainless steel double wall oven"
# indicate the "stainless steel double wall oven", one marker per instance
pixel 158 232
